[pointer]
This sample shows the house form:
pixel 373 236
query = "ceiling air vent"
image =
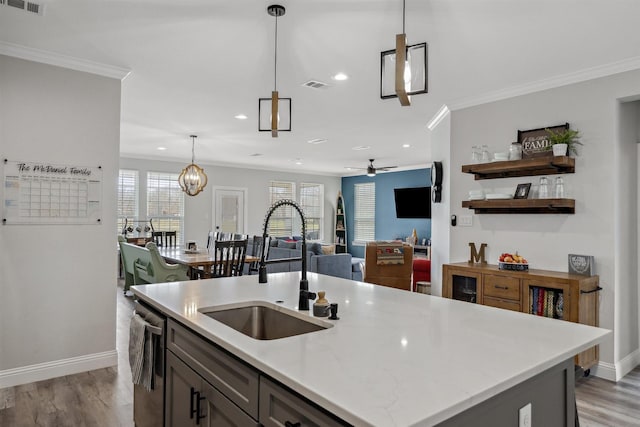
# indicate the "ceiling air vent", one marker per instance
pixel 26 6
pixel 315 84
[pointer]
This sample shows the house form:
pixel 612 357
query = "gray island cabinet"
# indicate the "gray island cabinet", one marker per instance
pixel 207 386
pixel 394 358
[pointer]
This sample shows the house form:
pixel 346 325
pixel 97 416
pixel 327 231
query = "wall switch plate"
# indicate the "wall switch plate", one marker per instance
pixel 465 220
pixel 525 416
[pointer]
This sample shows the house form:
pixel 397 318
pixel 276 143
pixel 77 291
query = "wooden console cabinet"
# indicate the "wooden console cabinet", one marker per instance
pixel 571 297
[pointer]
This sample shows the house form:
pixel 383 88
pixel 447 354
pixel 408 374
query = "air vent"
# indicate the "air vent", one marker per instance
pixel 315 84
pixel 25 6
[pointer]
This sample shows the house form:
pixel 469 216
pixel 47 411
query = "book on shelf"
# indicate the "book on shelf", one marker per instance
pixel 546 302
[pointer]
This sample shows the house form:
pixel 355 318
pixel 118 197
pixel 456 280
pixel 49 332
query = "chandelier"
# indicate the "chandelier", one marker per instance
pixel 192 179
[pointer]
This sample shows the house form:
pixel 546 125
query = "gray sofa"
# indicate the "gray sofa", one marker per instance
pixel 337 265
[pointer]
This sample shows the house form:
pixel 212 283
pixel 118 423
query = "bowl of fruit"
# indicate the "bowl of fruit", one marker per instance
pixel 513 262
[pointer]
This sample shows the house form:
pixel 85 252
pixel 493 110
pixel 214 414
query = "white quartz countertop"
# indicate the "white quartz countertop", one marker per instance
pixel 395 358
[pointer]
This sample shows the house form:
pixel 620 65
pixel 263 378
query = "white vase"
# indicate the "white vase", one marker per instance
pixel 560 149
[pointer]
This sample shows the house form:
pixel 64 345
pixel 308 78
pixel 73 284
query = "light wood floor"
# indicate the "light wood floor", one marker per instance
pixel 104 397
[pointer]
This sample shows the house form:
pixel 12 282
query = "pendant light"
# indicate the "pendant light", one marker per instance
pixel 274 114
pixel 192 179
pixel 403 71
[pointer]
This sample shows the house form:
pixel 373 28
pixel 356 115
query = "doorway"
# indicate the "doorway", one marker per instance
pixel 229 207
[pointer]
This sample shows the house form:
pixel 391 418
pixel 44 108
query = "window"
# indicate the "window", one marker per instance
pixel 165 203
pixel 281 222
pixel 364 218
pixel 127 197
pixel 312 203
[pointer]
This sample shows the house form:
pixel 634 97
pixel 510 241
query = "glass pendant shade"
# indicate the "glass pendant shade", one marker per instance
pixel 192 179
pixel 414 74
pixel 283 115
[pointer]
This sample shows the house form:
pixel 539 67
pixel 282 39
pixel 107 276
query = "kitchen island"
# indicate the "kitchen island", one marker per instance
pixel 394 358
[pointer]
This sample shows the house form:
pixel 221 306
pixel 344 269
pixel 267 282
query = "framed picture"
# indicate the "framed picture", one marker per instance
pixel 535 141
pixel 522 192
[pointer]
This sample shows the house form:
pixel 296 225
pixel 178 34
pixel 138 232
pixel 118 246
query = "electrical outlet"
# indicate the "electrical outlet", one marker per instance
pixel 525 416
pixel 465 220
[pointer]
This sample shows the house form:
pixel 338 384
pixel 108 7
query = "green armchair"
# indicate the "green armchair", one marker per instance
pixel 146 265
pixel 160 271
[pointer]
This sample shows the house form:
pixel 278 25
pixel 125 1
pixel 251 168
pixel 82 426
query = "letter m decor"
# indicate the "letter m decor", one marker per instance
pixel 476 257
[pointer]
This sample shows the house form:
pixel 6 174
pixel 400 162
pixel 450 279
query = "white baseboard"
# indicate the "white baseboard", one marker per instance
pixel 606 371
pixel 615 372
pixel 57 368
pixel 626 365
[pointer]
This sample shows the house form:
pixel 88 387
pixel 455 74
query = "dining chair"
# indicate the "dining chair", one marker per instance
pixel 211 237
pixel 388 264
pixel 229 257
pixel 170 238
pixel 256 250
pixel 157 237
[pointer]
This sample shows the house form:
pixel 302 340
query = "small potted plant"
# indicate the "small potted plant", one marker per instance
pixel 564 142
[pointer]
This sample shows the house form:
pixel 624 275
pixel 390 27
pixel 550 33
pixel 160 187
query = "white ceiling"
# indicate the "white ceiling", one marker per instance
pixel 195 64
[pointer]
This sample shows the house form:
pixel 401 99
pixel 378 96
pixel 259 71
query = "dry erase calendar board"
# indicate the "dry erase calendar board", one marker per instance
pixel 44 193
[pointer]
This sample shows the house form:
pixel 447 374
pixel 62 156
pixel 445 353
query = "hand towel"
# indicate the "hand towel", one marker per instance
pixel 141 352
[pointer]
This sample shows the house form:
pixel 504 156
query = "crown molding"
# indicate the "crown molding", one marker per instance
pixel 51 58
pixel 622 66
pixel 438 117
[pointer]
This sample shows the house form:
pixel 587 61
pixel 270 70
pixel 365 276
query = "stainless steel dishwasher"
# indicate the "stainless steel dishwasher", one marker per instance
pixel 148 406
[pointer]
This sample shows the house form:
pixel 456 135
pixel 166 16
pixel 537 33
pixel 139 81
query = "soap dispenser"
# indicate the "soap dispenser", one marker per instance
pixel 321 306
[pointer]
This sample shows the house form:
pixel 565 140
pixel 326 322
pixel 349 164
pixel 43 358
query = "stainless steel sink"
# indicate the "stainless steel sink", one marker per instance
pixel 265 322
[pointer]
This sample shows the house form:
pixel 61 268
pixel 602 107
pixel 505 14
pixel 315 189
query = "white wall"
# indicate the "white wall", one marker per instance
pixel 545 240
pixel 57 284
pixel 626 224
pixel 198 209
pixel 440 212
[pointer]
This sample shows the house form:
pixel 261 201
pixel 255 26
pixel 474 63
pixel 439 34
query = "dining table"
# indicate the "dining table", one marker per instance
pixel 199 261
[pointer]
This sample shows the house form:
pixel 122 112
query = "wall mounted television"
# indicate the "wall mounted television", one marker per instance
pixel 413 202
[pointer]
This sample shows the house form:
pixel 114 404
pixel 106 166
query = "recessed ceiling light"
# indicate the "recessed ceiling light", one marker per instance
pixel 162 148
pixel 316 141
pixel 298 162
pixel 361 147
pixel 406 145
pixel 241 117
pixel 340 77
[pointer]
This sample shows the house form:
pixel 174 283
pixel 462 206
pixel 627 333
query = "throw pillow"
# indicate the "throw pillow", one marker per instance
pixel 286 245
pixel 328 249
pixel 314 248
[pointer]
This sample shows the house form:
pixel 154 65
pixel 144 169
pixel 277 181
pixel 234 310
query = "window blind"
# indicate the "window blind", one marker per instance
pixel 127 197
pixel 364 219
pixel 165 203
pixel 312 203
pixel 281 222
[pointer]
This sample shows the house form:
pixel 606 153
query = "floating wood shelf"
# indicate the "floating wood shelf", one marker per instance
pixel 520 206
pixel 550 165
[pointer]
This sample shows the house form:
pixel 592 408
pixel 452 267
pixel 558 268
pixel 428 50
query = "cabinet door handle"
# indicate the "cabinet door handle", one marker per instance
pixel 290 424
pixel 198 416
pixel 192 409
pixel 501 287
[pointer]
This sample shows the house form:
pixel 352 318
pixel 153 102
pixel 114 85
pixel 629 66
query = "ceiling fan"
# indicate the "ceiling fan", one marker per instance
pixel 371 170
